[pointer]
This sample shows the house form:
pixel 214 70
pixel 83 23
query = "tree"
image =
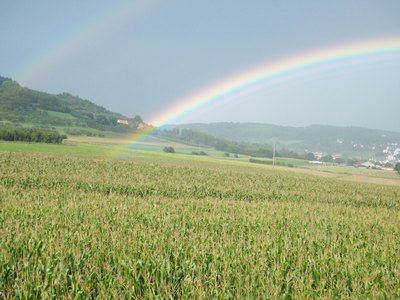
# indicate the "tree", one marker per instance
pixel 339 160
pixel 397 167
pixel 350 161
pixel 169 149
pixel 327 158
pixel 199 153
pixel 136 121
pixel 309 156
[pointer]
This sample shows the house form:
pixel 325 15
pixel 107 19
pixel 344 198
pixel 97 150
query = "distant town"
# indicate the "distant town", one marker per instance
pixel 387 161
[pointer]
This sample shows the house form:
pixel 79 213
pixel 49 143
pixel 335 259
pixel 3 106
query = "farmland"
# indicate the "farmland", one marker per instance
pixel 80 223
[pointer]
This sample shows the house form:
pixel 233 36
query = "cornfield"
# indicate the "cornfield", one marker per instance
pixel 84 228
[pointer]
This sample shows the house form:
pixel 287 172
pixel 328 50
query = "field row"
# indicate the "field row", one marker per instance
pixel 87 228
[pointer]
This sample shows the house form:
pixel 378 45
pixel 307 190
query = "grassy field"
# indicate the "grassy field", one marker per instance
pixel 348 170
pixel 101 220
pixel 119 147
pixel 65 116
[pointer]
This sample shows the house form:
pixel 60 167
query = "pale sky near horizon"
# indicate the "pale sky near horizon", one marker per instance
pixel 140 57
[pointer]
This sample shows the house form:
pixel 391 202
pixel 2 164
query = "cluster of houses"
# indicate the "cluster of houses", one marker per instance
pixel 374 164
pixel 123 122
pixel 126 123
pixel 391 153
pixel 367 164
pixel 319 155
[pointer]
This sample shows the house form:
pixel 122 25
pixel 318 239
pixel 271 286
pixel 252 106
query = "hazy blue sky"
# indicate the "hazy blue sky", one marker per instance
pixel 139 57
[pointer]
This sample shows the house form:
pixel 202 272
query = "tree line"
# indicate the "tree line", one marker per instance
pixel 198 138
pixel 270 162
pixel 8 133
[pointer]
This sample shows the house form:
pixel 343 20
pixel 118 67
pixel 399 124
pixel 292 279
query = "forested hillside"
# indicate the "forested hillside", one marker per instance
pixel 20 105
pixel 314 138
pixel 194 137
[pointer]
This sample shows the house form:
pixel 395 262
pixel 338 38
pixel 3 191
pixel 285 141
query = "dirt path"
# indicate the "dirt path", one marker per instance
pixel 84 139
pixel 104 140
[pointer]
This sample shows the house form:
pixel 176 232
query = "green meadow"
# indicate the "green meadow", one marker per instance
pixel 109 220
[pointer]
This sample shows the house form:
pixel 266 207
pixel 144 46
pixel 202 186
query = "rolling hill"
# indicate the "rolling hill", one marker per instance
pixel 328 139
pixel 71 114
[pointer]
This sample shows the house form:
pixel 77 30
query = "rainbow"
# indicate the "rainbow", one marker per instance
pixel 289 67
pixel 67 45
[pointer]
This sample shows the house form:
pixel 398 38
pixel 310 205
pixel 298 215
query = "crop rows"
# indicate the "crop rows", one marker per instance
pixel 87 228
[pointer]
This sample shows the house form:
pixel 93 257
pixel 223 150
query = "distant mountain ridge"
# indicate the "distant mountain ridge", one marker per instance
pixel 312 138
pixel 20 105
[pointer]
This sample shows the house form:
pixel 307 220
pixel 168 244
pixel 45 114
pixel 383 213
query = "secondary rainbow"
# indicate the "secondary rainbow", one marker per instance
pixel 61 50
pixel 358 52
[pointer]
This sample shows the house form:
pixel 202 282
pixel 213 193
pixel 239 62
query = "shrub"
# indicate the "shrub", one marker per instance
pixel 397 167
pixel 259 161
pixel 199 153
pixel 269 162
pixel 169 149
pixel 36 135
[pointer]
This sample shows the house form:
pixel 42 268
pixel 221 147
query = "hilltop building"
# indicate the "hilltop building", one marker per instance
pixel 123 122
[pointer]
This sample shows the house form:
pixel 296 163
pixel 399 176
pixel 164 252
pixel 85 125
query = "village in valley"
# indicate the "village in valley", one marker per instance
pixel 386 158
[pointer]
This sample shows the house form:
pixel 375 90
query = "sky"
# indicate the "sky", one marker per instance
pixel 142 57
